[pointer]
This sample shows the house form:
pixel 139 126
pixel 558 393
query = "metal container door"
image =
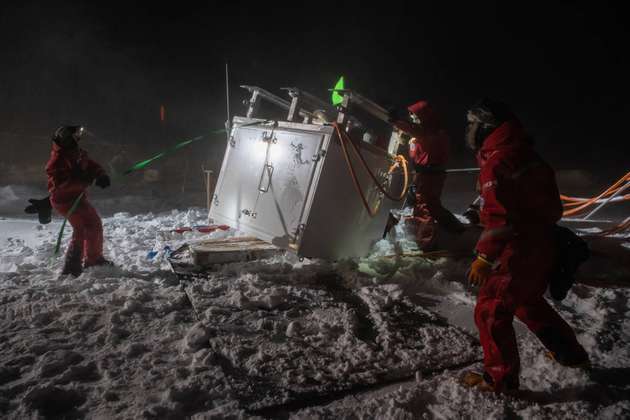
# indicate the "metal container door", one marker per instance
pixel 237 186
pixel 266 179
pixel 290 158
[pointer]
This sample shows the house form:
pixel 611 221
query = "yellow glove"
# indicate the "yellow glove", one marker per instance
pixel 479 271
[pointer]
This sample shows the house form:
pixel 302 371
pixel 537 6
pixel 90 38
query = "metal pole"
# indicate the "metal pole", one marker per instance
pixel 208 187
pixel 450 171
pixel 228 123
pixel 596 209
pixel 185 174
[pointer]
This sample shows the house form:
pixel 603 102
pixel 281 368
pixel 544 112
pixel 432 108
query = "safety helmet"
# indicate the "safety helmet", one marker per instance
pixel 483 118
pixel 68 135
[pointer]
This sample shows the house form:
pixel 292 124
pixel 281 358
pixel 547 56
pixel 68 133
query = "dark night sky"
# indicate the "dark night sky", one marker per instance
pixel 562 65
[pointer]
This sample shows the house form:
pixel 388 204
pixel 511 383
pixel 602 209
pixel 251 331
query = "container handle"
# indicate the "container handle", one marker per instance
pixel 267 169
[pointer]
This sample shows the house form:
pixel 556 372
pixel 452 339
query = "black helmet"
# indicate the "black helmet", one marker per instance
pixel 483 118
pixel 68 135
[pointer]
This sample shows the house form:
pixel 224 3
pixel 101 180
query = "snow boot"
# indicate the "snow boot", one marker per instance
pixel 563 349
pixel 99 262
pixel 484 383
pixel 72 263
pixel 477 380
pixel 582 363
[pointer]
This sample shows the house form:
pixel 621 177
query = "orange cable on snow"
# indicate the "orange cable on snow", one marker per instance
pixel 617 199
pixel 620 228
pixel 581 204
pixel 610 190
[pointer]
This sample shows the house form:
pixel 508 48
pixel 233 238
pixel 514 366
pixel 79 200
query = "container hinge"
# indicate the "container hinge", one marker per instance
pixel 232 141
pixel 216 200
pixel 299 231
pixel 319 155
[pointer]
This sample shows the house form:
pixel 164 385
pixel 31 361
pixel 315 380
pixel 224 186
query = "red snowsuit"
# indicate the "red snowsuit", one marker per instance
pixel 70 172
pixel 520 206
pixel 429 155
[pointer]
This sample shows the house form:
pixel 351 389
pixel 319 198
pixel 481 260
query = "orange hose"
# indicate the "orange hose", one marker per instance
pixel 353 175
pixel 369 171
pixel 399 160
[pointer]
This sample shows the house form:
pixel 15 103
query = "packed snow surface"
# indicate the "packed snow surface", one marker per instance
pixel 380 337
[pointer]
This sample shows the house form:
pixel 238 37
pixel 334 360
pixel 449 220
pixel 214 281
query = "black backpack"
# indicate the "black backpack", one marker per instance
pixel 571 251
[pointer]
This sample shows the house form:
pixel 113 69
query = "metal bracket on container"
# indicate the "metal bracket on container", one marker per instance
pixel 299 231
pixel 384 175
pixel 232 141
pixel 216 200
pixel 269 138
pixel 253 105
pixel 249 213
pixel 317 156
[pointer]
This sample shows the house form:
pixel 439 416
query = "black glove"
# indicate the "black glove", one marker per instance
pixel 103 181
pixel 42 208
pixel 472 214
pixel 391 222
pixel 410 200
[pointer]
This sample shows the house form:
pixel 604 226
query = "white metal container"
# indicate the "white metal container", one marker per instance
pixel 288 184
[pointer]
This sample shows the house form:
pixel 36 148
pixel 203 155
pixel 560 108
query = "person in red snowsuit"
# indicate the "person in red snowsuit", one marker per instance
pixel 428 152
pixel 70 172
pixel 520 205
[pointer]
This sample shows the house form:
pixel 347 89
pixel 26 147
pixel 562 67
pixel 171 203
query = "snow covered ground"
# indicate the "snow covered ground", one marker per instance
pixel 376 338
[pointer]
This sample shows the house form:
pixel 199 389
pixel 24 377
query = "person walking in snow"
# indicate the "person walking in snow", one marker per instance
pixel 520 205
pixel 70 172
pixel 428 152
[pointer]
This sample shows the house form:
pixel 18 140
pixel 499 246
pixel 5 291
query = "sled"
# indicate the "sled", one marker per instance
pixel 211 254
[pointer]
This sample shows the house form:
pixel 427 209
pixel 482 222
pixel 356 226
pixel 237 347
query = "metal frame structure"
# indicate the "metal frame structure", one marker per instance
pixel 258 94
pixel 310 107
pixel 351 97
